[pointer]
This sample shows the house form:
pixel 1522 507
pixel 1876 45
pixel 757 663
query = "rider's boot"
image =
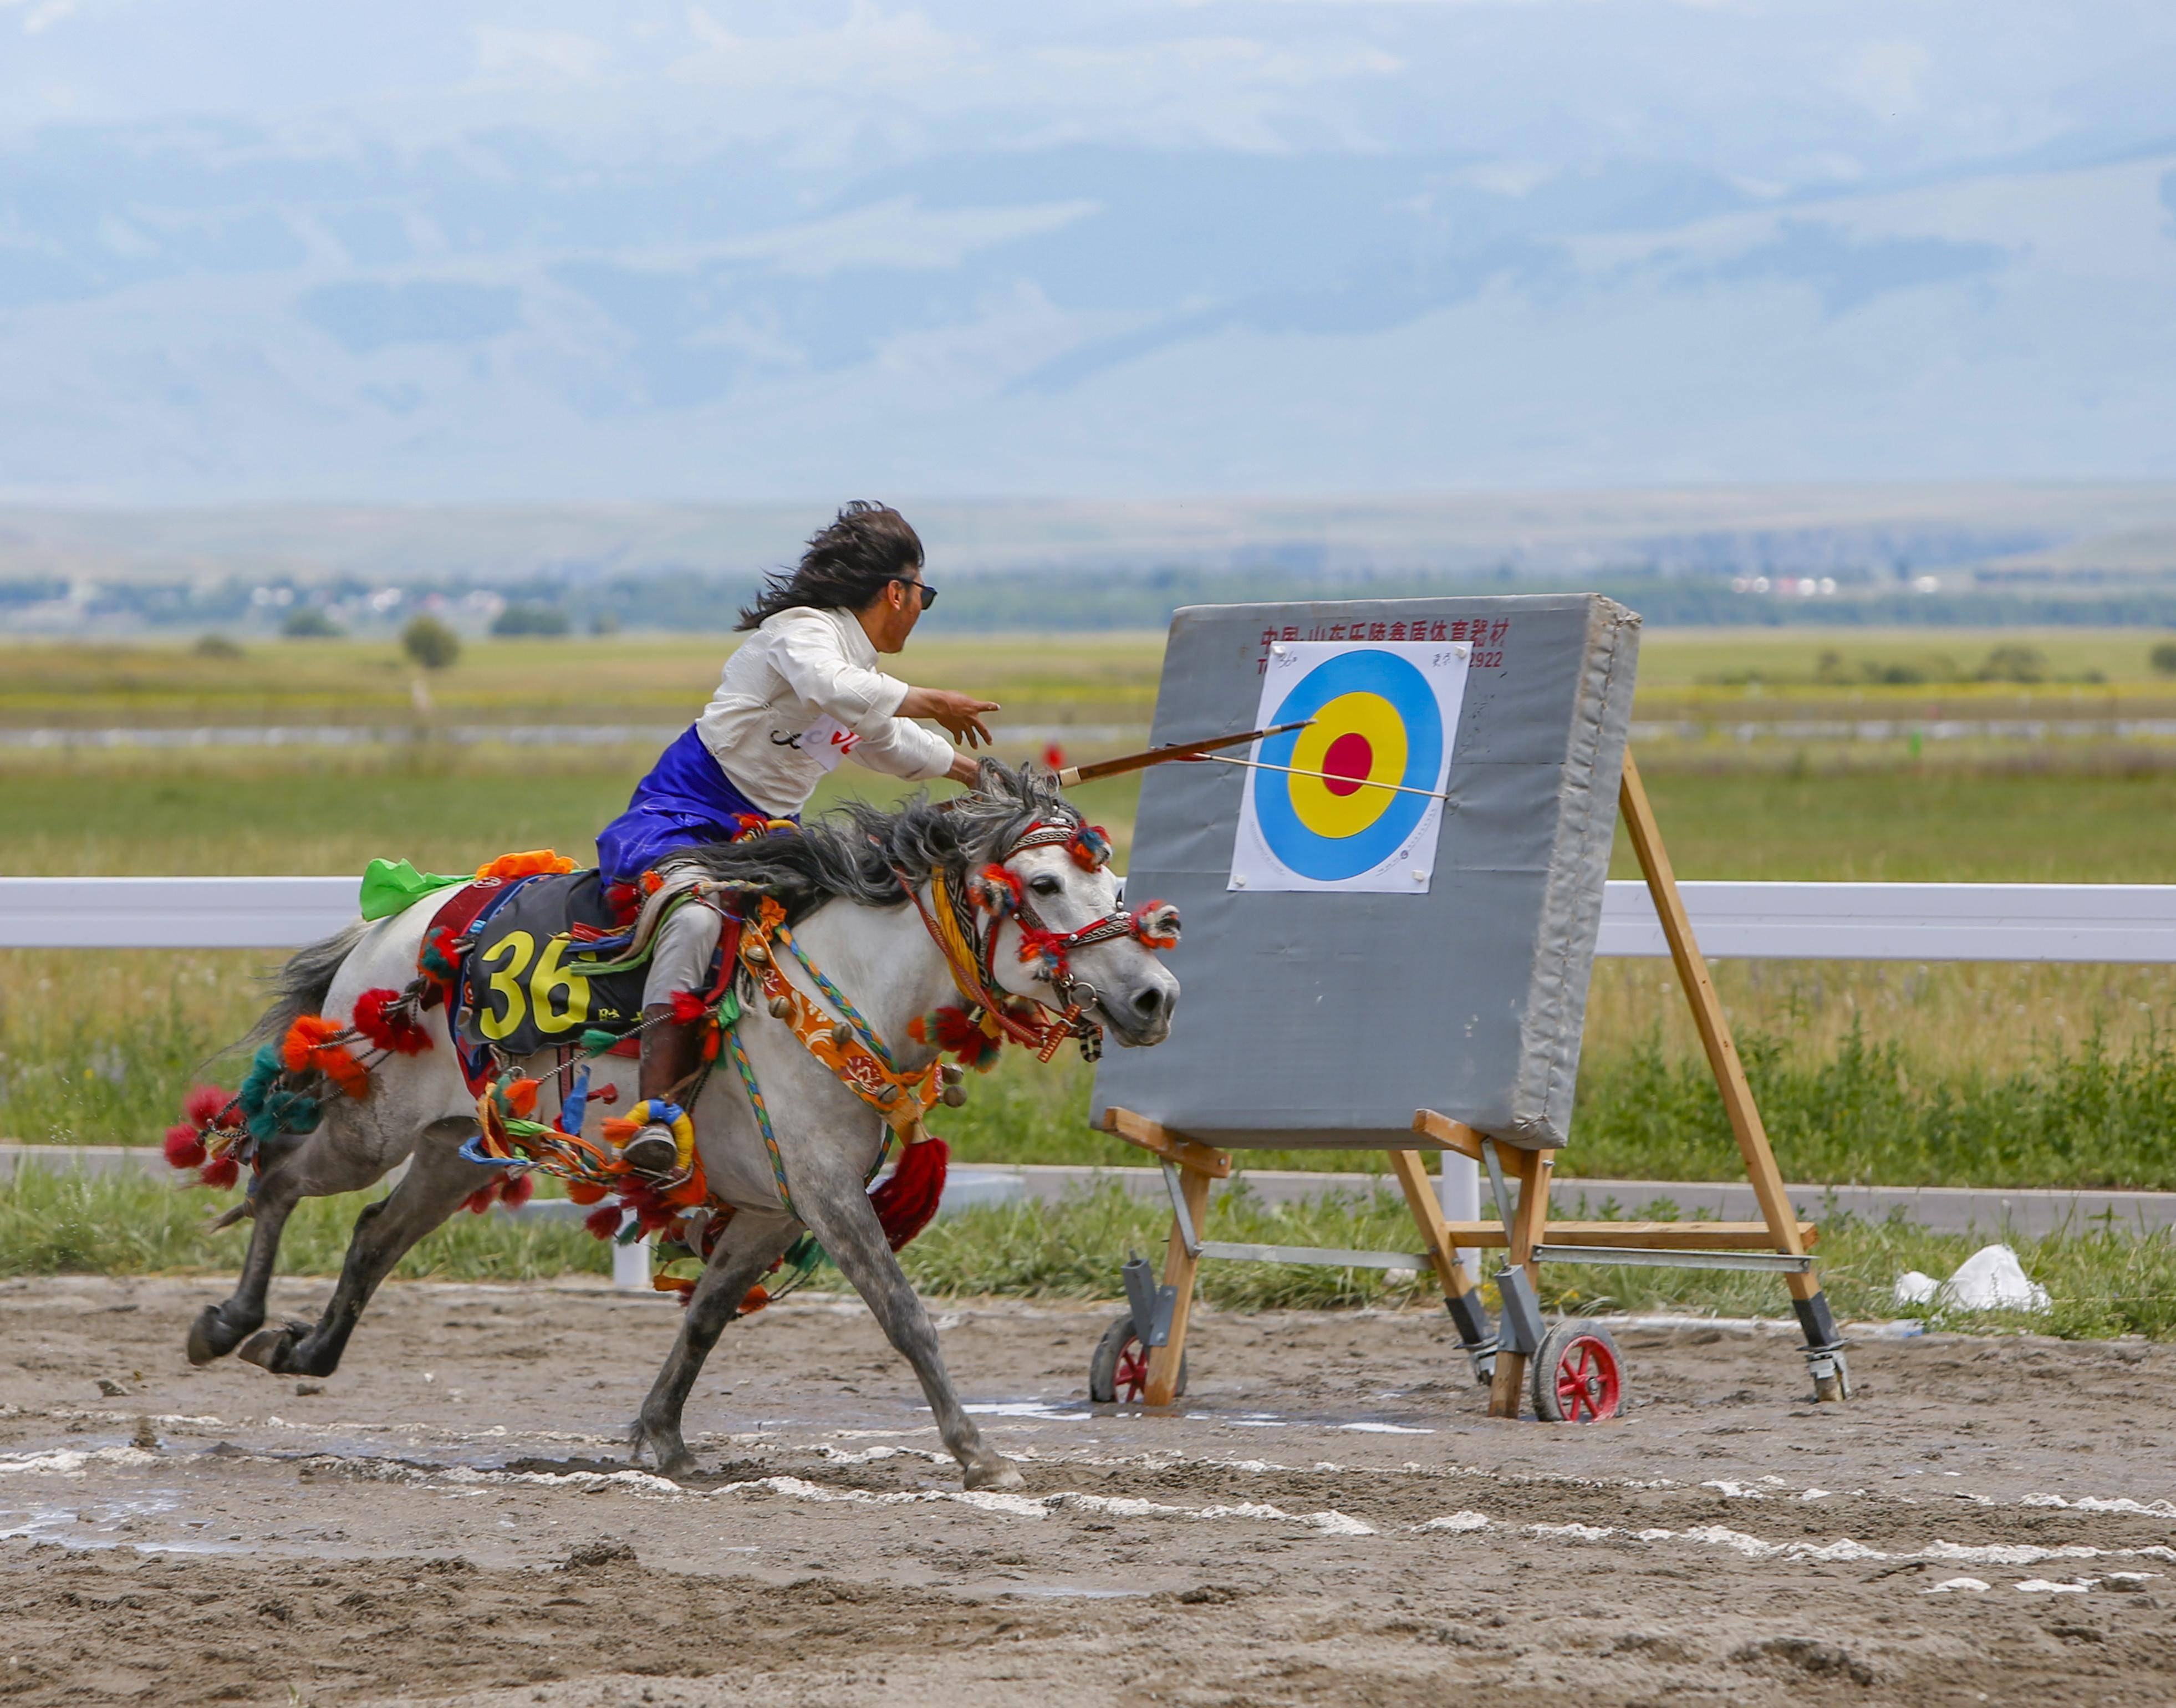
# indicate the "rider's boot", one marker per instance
pixel 672 1050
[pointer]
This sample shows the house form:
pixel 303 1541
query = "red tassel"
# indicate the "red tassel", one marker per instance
pixel 689 1005
pixel 185 1149
pixel 905 1203
pixel 396 1031
pixel 220 1172
pixel 479 1200
pixel 203 1105
pixel 516 1190
pixel 603 1222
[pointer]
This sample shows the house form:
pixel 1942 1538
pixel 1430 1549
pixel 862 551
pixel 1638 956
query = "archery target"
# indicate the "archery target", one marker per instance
pixel 1353 801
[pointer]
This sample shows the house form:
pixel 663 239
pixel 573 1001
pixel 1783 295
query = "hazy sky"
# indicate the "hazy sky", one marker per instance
pixel 250 249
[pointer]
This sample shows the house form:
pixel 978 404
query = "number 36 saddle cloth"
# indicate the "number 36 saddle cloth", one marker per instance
pixel 556 958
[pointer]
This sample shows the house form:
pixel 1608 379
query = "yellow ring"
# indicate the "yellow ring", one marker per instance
pixel 1333 816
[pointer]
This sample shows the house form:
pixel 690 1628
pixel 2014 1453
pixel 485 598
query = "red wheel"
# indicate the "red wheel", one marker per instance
pixel 1578 1376
pixel 1119 1372
pixel 1129 1376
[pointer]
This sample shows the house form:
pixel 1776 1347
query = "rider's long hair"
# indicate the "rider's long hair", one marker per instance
pixel 845 565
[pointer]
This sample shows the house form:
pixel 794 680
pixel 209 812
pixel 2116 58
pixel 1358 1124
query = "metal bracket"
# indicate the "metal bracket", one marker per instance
pixel 1152 1305
pixel 1770 1262
pixel 1519 1329
pixel 1187 1236
pixel 1496 1184
pixel 1328 1256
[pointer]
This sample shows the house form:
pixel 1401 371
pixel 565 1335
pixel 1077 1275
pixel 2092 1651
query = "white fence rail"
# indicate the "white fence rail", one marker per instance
pixel 2076 923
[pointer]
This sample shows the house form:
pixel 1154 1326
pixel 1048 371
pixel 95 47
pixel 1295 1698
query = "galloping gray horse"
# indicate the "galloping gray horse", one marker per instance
pixel 840 879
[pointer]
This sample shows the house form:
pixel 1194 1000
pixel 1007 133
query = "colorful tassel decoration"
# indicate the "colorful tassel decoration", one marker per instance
pixel 1091 847
pixel 395 1030
pixel 1156 923
pixel 535 863
pixel 948 1030
pixel 185 1146
pixel 996 891
pixel 905 1203
pixel 270 1108
pixel 310 1046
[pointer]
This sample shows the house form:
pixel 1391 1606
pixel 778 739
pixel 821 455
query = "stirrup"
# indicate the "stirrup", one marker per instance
pixel 652 1152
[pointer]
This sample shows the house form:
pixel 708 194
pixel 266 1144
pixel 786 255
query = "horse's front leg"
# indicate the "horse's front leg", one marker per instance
pixel 839 1213
pixel 751 1244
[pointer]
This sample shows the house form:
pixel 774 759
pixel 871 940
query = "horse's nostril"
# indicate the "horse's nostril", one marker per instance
pixel 1149 1003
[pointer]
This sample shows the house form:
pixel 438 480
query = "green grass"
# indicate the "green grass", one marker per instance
pixel 2087 1116
pixel 1947 822
pixel 2103 1282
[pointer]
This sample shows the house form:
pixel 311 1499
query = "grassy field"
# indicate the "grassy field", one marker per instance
pixel 1040 679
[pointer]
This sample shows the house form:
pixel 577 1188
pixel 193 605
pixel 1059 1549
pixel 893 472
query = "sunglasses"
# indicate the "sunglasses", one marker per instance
pixel 928 593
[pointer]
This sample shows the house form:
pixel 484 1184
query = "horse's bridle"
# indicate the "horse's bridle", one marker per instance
pixel 996 893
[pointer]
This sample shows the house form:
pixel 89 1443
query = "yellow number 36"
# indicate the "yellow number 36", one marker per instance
pixel 508 960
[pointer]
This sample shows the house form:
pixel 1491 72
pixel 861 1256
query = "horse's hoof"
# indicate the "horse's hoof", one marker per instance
pixel 668 1453
pixel 269 1349
pixel 212 1336
pixel 995 1472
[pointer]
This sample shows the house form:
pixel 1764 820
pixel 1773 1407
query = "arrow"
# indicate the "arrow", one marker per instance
pixel 1327 777
pixel 1159 756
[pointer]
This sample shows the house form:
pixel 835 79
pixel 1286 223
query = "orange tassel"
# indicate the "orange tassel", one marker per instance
pixel 308 1046
pixel 529 865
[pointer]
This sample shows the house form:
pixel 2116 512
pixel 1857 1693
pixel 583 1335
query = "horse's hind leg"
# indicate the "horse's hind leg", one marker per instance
pixel 312 1168
pixel 839 1214
pixel 436 1181
pixel 750 1244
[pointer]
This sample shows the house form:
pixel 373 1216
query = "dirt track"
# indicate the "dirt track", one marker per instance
pixel 1329 1518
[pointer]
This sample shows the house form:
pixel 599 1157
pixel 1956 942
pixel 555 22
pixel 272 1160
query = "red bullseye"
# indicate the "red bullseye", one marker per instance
pixel 1348 763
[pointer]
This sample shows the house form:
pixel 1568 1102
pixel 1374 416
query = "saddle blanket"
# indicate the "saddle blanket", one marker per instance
pixel 526 986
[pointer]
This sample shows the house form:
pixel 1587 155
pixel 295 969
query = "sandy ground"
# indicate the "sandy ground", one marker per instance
pixel 1327 1518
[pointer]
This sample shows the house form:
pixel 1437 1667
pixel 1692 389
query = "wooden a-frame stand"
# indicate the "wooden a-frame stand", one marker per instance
pixel 1779 1241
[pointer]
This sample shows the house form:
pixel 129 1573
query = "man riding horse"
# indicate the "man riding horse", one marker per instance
pixel 800 695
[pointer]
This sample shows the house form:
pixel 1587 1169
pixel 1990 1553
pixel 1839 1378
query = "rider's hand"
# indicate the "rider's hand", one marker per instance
pixel 960 713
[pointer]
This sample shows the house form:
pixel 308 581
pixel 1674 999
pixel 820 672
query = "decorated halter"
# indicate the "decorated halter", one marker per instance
pixel 997 892
pixel 996 895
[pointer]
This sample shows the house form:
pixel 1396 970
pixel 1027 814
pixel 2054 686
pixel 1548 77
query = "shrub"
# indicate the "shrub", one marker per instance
pixel 529 619
pixel 310 622
pixel 429 643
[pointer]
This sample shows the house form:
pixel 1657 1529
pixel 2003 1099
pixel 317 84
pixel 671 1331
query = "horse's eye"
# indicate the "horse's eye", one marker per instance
pixel 1045 884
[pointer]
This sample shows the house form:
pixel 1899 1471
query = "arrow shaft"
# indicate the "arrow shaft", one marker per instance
pixel 1295 772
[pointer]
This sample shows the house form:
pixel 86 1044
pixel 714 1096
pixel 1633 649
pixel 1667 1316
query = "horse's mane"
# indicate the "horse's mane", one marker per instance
pixel 858 851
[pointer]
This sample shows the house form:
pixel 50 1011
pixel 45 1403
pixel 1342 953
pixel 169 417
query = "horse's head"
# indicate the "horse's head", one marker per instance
pixel 1057 933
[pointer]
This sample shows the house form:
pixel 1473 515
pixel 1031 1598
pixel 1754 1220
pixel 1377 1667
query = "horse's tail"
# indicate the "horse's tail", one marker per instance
pixel 300 986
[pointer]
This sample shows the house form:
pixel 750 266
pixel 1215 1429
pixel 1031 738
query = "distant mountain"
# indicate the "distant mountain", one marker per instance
pixel 199 311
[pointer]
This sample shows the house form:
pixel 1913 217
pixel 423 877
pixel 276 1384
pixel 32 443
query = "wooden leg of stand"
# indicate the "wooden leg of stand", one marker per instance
pixel 1427 1211
pixel 1534 1168
pixel 1178 1267
pixel 1722 1058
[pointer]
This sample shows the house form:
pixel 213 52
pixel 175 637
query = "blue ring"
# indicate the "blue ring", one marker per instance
pixel 1328 859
